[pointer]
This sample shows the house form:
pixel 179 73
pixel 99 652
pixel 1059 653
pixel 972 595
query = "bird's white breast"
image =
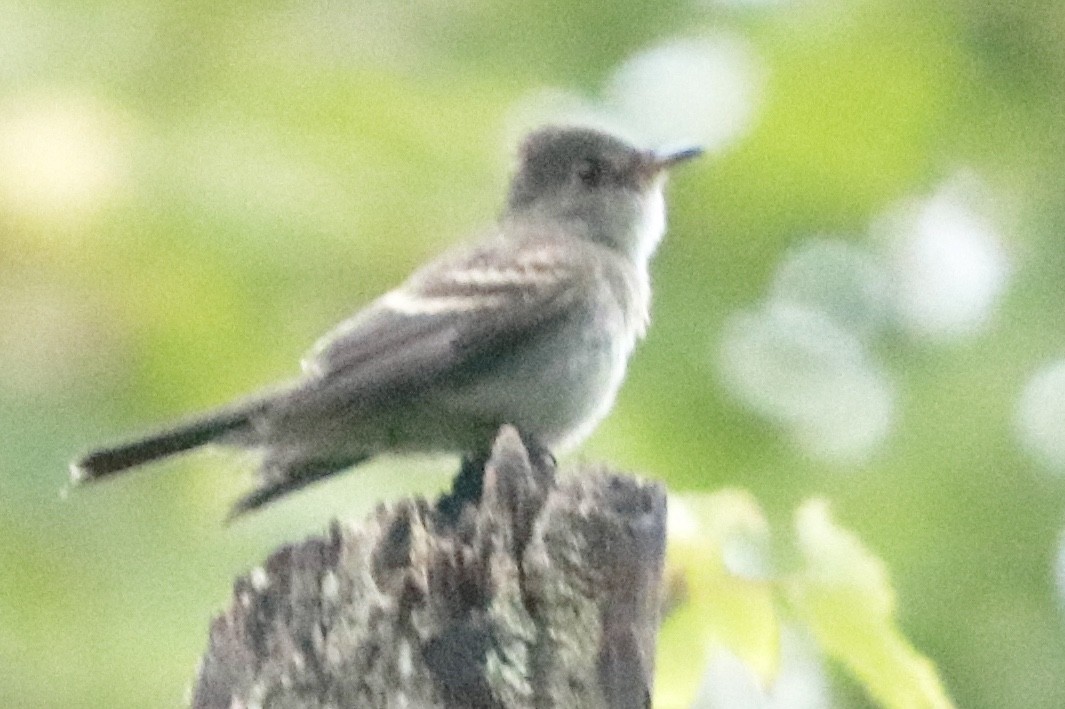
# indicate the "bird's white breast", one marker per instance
pixel 651 226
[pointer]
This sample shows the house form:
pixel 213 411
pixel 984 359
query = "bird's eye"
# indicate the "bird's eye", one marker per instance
pixel 590 172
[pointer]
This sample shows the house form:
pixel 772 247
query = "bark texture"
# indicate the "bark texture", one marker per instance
pixel 536 592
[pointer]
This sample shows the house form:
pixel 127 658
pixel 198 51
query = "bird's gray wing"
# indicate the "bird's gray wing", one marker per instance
pixel 447 318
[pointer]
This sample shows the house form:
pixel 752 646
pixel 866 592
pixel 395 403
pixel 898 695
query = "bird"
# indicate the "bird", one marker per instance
pixel 532 327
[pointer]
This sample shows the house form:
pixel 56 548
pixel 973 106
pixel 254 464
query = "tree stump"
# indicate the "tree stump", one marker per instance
pixel 536 593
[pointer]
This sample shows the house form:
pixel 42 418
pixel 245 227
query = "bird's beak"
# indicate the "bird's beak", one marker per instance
pixel 665 161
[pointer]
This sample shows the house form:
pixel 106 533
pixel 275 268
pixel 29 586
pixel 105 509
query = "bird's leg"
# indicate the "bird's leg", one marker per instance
pixel 469 483
pixel 466 487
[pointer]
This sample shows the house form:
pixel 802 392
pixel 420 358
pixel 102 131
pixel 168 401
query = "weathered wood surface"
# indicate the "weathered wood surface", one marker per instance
pixel 542 593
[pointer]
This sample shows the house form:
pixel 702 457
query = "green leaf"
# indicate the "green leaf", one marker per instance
pixel 723 594
pixel 843 594
pixel 713 607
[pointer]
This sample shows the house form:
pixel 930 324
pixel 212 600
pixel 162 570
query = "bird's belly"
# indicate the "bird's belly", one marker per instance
pixel 557 389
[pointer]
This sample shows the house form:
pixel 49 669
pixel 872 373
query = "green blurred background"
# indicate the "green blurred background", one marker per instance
pixel 190 193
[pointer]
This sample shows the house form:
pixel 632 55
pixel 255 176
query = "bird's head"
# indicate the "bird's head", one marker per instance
pixel 595 185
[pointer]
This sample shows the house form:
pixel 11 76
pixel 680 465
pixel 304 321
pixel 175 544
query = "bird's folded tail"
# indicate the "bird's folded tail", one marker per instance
pixel 184 436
